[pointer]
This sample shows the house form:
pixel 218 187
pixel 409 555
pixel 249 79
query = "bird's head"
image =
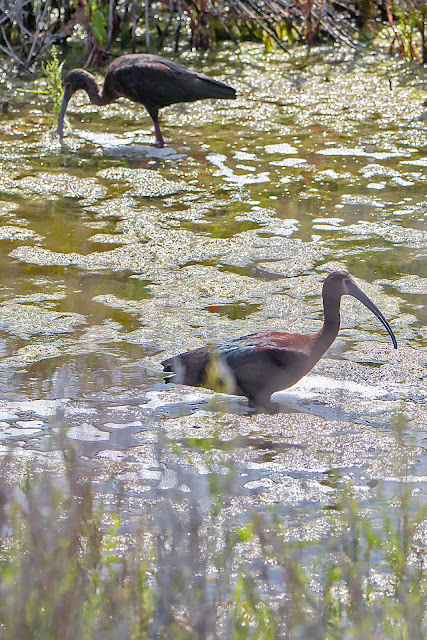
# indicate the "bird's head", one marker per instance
pixel 341 283
pixel 74 81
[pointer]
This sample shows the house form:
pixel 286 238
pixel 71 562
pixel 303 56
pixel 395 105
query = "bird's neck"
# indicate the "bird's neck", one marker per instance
pixel 95 95
pixel 331 324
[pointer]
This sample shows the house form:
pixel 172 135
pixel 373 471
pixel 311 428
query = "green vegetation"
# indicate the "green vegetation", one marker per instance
pixel 408 23
pixel 72 567
pixel 120 25
pixel 52 71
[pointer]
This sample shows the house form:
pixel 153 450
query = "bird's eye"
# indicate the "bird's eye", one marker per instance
pixel 345 284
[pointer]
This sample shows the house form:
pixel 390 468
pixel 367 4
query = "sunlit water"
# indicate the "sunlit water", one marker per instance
pixel 116 254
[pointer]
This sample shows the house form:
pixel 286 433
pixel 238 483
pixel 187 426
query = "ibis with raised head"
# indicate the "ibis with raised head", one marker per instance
pixel 259 364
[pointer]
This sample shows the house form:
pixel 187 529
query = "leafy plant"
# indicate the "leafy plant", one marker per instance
pixel 408 23
pixel 52 71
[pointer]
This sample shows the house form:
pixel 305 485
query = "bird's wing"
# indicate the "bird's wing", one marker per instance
pixel 243 351
pixel 140 82
pixel 160 82
pixel 272 339
pixel 260 369
pixel 254 365
pixel 159 62
pixel 202 86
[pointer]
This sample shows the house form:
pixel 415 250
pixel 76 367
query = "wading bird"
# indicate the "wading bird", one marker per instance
pixel 147 79
pixel 259 364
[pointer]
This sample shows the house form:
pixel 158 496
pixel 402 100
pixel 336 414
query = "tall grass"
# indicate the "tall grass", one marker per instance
pixel 77 564
pixel 408 24
pixel 29 27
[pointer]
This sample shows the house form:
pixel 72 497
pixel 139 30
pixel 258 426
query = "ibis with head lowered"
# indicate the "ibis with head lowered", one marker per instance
pixel 150 80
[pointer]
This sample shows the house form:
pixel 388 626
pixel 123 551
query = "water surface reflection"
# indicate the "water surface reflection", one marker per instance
pixel 117 254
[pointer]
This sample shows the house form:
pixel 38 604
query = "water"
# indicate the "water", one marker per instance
pixel 116 255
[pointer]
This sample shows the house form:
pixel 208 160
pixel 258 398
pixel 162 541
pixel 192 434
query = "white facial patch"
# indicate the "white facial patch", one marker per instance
pixel 345 290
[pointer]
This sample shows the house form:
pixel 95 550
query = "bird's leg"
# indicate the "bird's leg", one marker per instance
pixel 262 403
pixel 159 138
pixel 154 113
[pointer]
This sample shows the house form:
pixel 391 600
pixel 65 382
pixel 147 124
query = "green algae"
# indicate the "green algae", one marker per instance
pixel 117 254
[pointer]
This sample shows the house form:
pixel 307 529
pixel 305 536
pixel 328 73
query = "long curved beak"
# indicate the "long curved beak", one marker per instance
pixel 353 290
pixel 65 100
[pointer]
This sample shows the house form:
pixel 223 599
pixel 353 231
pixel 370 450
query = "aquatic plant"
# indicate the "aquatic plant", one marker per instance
pixel 29 27
pixel 52 70
pixel 75 565
pixel 408 24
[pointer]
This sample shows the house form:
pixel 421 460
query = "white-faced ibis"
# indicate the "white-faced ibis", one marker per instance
pixel 147 79
pixel 259 364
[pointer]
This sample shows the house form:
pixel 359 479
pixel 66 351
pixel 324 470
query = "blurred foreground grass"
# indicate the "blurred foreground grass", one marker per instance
pixel 77 564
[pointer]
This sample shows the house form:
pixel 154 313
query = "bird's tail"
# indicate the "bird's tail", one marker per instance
pixel 168 367
pixel 187 368
pixel 216 89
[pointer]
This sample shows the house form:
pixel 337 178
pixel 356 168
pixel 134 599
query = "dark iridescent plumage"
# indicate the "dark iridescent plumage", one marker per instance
pixel 259 364
pixel 147 79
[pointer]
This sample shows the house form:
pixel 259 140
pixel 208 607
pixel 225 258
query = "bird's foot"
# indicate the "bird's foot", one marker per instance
pixel 265 407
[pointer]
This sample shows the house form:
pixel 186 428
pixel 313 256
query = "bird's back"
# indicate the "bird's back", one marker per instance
pixel 154 80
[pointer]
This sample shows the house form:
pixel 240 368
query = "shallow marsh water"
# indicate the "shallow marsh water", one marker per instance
pixel 116 254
